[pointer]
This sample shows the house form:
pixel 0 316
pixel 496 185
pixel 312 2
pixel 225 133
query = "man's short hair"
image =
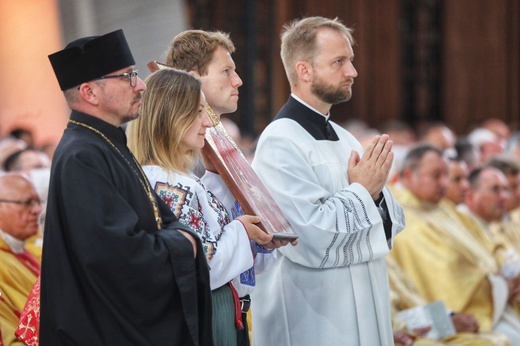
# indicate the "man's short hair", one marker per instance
pixel 299 41
pixel 192 50
pixel 12 162
pixel 415 155
pixel 507 165
pixel 474 177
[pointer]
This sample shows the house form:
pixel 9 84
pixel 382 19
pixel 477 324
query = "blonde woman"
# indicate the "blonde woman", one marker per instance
pixel 166 140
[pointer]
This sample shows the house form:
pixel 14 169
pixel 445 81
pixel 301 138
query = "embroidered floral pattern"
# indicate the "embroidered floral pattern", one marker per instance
pixel 222 215
pixel 29 326
pixel 195 213
pixel 248 277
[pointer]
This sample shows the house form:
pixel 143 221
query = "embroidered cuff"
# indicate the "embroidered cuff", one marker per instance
pixel 257 248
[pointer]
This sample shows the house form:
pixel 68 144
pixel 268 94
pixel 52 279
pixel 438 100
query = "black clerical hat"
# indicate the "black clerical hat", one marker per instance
pixel 90 58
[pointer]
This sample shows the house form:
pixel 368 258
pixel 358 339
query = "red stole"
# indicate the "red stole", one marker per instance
pixel 238 309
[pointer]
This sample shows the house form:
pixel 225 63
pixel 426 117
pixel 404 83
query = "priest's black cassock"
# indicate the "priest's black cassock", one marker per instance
pixel 109 276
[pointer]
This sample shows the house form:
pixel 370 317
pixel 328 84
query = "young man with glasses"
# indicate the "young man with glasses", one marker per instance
pixel 117 268
pixel 19 269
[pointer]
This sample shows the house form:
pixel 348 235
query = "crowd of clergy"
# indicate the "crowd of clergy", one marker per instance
pixel 461 198
pixel 461 244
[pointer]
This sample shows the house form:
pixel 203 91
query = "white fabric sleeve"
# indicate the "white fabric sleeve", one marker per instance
pixel 232 257
pixel 500 291
pixel 338 223
pixel 215 183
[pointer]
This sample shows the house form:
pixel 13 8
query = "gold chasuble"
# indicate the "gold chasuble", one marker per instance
pixel 515 215
pixel 506 237
pixel 446 260
pixel 404 295
pixel 34 245
pixel 17 277
pixel 507 234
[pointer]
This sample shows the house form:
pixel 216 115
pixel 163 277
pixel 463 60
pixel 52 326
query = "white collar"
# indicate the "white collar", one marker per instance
pixel 327 116
pixel 17 246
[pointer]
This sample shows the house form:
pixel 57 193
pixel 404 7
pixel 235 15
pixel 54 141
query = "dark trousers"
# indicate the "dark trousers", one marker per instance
pixel 243 334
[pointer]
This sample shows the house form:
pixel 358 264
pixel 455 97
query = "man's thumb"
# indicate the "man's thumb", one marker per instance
pixel 354 159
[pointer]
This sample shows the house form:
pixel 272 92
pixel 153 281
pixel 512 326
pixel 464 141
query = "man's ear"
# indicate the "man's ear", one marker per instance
pixel 304 70
pixel 405 175
pixel 468 197
pixel 88 92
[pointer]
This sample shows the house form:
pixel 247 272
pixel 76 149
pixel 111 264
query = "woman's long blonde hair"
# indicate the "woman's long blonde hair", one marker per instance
pixel 169 107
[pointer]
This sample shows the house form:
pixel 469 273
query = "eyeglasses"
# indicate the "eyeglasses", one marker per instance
pixel 131 75
pixel 497 190
pixel 28 204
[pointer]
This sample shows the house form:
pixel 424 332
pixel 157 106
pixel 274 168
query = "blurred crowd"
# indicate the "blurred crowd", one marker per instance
pixel 461 244
pixel 461 196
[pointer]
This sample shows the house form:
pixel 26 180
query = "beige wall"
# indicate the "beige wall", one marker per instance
pixel 29 93
pixel 30 30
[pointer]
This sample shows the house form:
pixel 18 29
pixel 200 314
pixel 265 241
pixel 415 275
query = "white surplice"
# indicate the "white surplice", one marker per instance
pixel 332 288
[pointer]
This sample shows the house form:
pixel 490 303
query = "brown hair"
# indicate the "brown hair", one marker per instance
pixel 192 50
pixel 169 107
pixel 415 155
pixel 299 41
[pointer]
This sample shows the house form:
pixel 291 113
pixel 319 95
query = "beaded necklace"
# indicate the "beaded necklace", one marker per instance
pixel 140 175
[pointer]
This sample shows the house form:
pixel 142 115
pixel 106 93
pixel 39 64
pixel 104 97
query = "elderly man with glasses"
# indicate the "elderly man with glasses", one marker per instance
pixel 19 269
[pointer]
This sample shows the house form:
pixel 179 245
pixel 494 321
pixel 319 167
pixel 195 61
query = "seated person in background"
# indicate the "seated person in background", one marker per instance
pixel 468 153
pixel 36 164
pixel 513 146
pixel 509 226
pixel 486 143
pixel 498 127
pixel 404 295
pixel 19 269
pixel 9 145
pixel 399 132
pixel 485 204
pixel 458 185
pixel 25 160
pixel 440 136
pixel 487 196
pixel 24 134
pixel 447 256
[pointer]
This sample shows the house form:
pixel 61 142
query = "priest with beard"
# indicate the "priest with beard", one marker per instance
pixel 331 289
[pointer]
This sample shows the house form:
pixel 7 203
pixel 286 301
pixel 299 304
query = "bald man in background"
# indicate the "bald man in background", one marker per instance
pixel 19 211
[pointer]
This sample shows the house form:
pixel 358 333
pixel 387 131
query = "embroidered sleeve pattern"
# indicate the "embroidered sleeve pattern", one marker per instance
pixel 216 206
pixel 184 204
pixel 200 211
pixel 354 245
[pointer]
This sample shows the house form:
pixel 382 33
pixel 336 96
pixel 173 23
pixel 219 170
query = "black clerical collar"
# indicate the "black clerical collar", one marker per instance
pixel 115 134
pixel 327 116
pixel 314 123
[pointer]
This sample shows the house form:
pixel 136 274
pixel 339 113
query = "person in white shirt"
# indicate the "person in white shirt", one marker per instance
pixel 331 289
